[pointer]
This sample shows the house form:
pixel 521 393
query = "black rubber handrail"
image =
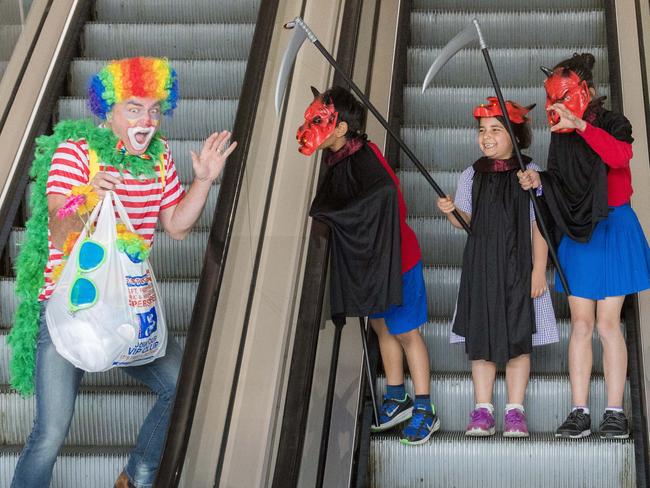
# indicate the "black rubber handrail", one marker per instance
pixel 205 303
pixel 310 312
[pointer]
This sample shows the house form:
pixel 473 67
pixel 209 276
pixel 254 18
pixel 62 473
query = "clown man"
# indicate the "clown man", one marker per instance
pixel 127 155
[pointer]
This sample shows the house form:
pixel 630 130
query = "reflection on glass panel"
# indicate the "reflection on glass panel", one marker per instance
pixel 13 14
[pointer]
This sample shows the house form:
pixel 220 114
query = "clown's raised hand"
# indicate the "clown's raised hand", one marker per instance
pixel 209 163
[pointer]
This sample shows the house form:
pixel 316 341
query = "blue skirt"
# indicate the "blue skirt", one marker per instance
pixel 413 311
pixel 615 262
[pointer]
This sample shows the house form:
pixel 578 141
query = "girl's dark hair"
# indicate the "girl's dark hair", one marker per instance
pixel 523 132
pixel 580 64
pixel 350 111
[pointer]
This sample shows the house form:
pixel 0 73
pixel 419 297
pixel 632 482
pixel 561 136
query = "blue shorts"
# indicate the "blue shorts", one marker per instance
pixel 412 313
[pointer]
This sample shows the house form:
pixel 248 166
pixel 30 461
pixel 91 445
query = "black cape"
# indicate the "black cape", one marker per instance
pixel 494 311
pixel 358 201
pixel 575 183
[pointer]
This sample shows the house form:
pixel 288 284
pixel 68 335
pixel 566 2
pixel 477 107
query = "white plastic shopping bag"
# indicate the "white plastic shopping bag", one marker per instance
pixel 105 310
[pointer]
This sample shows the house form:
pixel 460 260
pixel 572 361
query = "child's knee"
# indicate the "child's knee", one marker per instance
pixel 609 329
pixel 409 338
pixel 582 328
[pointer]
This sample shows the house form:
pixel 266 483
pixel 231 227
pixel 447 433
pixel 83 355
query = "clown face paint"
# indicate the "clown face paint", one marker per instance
pixel 569 91
pixel 320 122
pixel 135 122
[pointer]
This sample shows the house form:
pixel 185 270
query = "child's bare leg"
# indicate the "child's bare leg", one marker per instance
pixel 392 354
pixel 583 313
pixel 614 349
pixel 517 374
pixel 417 358
pixel 483 376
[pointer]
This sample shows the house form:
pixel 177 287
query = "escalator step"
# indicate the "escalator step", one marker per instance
pixel 177 296
pixel 192 119
pixel 8 37
pixel 514 66
pixel 548 400
pixel 549 359
pixel 512 29
pixel 190 41
pixel 198 78
pixel 218 11
pixel 505 4
pixel 453 460
pixel 452 107
pixel 454 149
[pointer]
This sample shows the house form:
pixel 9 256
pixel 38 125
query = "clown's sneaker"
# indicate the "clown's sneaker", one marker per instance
pixel 393 412
pixel 481 423
pixel 514 424
pixel 423 424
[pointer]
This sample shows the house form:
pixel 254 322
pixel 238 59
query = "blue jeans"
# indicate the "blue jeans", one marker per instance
pixel 57 384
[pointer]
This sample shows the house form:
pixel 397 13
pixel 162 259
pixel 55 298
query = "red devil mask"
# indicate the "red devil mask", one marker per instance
pixel 569 90
pixel 320 122
pixel 516 113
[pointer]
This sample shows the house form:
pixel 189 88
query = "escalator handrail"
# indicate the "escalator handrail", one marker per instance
pixel 212 272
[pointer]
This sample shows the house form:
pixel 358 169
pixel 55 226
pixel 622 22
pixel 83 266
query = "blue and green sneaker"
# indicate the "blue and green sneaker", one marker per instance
pixel 423 424
pixel 393 412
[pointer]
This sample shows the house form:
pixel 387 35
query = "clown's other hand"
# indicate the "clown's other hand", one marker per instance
pixel 209 164
pixel 446 205
pixel 103 182
pixel 568 120
pixel 529 179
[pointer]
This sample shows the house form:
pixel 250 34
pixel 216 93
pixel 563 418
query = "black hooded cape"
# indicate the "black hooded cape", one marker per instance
pixel 358 201
pixel 575 183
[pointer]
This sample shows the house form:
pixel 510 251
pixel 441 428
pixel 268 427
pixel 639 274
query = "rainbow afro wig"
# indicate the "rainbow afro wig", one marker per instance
pixel 133 77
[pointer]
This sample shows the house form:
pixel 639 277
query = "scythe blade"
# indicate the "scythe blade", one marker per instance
pixel 462 39
pixel 288 60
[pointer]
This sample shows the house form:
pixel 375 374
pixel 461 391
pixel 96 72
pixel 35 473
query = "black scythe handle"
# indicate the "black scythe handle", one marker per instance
pixel 383 122
pixel 533 196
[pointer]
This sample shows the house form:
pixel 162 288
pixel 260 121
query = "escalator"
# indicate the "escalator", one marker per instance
pixel 208 44
pixel 439 127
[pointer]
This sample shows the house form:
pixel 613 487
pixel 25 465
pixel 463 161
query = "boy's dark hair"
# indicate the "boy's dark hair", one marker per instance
pixel 580 64
pixel 350 111
pixel 523 132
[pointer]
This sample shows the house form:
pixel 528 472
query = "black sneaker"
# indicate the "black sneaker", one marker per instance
pixel 576 425
pixel 614 425
pixel 393 412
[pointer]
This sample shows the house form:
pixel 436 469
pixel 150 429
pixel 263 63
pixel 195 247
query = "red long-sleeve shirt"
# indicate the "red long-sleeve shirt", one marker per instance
pixel 616 155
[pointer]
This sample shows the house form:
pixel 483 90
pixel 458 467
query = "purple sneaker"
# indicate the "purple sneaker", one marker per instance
pixel 482 423
pixel 514 424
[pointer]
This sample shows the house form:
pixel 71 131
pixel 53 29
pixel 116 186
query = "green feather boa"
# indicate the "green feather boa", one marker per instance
pixel 34 250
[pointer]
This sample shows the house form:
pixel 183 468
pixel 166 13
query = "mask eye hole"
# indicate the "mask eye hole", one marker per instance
pixel 316 120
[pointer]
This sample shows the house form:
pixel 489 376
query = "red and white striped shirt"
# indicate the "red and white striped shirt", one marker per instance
pixel 143 199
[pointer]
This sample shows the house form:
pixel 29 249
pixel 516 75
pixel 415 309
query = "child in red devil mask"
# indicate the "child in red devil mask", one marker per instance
pixel 503 307
pixel 603 251
pixel 375 259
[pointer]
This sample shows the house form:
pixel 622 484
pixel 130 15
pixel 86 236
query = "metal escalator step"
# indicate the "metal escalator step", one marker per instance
pixel 3 68
pixel 192 119
pixel 8 37
pixel 170 259
pixel 190 41
pixel 177 297
pixel 514 66
pixel 547 403
pixel 82 466
pixel 115 377
pixel 204 221
pixel 222 11
pixel 505 4
pixel 452 107
pixel 511 29
pixel 199 78
pixel 9 13
pixel 455 148
pixel 440 242
pixel 549 359
pixel 453 460
pixel 106 416
pixel 442 289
